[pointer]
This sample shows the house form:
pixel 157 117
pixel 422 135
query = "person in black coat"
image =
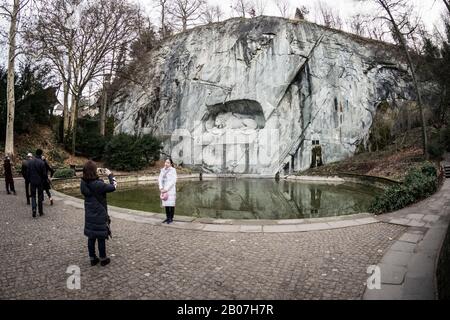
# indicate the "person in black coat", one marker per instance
pixel 47 183
pixel 9 181
pixel 37 173
pixel 25 176
pixel 96 226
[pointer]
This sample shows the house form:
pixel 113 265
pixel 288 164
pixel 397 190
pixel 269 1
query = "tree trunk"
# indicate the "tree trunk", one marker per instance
pixel 9 143
pixel 447 4
pixel 420 102
pixel 66 99
pixel 74 119
pixel 413 75
pixel 184 23
pixel 163 21
pixel 66 114
pixel 103 109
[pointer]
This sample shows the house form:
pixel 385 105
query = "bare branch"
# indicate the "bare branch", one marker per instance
pixel 186 12
pixel 284 7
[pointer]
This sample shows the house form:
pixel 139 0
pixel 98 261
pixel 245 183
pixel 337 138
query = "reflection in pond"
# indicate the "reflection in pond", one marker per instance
pixel 249 198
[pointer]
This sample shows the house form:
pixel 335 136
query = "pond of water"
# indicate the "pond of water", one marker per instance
pixel 248 198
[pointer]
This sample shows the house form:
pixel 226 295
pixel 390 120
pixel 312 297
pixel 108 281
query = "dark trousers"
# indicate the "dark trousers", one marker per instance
pixel 40 193
pixel 101 248
pixel 170 212
pixel 10 186
pixel 47 191
pixel 27 190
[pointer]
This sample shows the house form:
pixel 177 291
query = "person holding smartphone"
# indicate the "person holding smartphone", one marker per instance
pixel 97 220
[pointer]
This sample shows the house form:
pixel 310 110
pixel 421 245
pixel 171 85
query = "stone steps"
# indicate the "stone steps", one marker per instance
pixel 447 171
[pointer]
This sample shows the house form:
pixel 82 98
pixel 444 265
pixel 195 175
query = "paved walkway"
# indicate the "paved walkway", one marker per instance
pixel 151 261
pixel 408 268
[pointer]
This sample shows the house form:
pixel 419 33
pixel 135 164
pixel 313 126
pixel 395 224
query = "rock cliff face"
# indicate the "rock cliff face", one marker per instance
pixel 260 95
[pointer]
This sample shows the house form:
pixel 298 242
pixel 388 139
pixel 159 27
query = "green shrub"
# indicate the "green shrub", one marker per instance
pixel 57 156
pixel 92 146
pixel 89 142
pixel 18 168
pixel 150 146
pixel 418 184
pixel 64 173
pixel 128 152
pixel 436 149
pixel 429 169
pixel 446 137
pixel 124 153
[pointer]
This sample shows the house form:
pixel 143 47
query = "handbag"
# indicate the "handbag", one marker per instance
pixel 164 196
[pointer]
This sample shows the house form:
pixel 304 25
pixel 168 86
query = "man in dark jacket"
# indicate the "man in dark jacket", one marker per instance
pixel 9 181
pixel 36 173
pixel 25 176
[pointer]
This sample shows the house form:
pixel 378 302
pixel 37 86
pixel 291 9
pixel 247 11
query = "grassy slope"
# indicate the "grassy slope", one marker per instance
pixel 393 162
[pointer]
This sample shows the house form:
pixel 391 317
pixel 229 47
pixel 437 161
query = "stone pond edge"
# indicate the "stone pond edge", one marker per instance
pixel 225 225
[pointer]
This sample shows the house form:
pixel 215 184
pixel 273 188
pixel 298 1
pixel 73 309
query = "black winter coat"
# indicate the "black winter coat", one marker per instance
pixel 25 169
pixel 36 171
pixel 95 212
pixel 8 171
pixel 46 183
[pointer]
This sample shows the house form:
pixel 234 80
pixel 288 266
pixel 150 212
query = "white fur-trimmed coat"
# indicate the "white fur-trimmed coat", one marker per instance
pixel 168 180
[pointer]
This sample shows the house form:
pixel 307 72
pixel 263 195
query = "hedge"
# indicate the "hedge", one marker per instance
pixel 418 184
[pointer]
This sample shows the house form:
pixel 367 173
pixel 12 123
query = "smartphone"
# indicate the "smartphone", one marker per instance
pixel 100 171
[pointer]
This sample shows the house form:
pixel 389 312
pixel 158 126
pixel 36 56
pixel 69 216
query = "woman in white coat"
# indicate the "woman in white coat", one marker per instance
pixel 167 185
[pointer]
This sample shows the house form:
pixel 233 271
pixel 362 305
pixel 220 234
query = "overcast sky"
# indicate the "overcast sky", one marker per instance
pixel 429 10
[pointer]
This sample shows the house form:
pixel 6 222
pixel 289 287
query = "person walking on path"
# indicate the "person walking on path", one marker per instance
pixel 25 176
pixel 47 183
pixel 97 220
pixel 167 185
pixel 9 180
pixel 36 174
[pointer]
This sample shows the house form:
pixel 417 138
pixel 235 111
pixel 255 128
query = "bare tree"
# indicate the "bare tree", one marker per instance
pixel 259 6
pixel 358 24
pixel 398 13
pixel 211 14
pixel 163 5
pixel 284 7
pixel 88 45
pixel 377 30
pixel 241 7
pixel 186 12
pixel 328 16
pixel 146 40
pixel 13 14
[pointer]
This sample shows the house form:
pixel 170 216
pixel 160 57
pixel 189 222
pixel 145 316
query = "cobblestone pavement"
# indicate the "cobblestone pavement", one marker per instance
pixel 157 262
